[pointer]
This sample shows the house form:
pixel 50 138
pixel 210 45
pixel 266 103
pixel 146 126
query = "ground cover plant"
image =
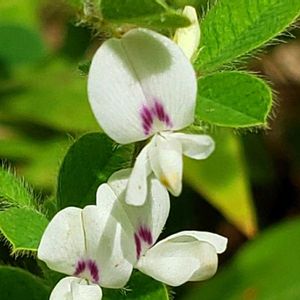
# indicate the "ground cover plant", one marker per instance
pixel 133 142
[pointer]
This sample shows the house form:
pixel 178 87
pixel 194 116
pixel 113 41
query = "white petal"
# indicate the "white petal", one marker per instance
pixel 196 146
pixel 63 241
pixel 72 288
pixel 151 216
pixel 108 244
pixel 107 198
pixel 166 162
pixel 165 73
pixel 153 213
pixel 137 185
pixel 216 240
pixel 88 243
pixel 188 38
pixel 86 292
pixel 111 196
pixel 180 258
pixel 115 94
pixel 138 71
pixel 156 208
pixel 118 182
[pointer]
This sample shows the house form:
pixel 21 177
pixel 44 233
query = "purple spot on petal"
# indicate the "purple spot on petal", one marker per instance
pixel 94 271
pixel 147 119
pixel 147 116
pixel 138 245
pixel 160 113
pixel 87 269
pixel 150 113
pixel 168 121
pixel 143 235
pixel 80 267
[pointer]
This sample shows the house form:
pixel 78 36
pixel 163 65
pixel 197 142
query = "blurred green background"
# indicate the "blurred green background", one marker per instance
pixel 249 190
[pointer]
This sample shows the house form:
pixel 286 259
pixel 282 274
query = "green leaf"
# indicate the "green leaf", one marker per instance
pixel 44 100
pixel 76 3
pixel 51 277
pixel 222 179
pixel 22 228
pixel 233 28
pixel 140 287
pixel 265 269
pixel 88 163
pixel 233 99
pixel 14 191
pixel 22 45
pixel 148 13
pixel 84 67
pixel 17 284
pixel 50 207
pixel 195 3
pixel 119 9
pixel 33 156
pixel 20 12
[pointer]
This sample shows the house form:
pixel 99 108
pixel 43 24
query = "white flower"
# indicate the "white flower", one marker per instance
pixel 140 86
pixel 89 245
pixel 188 38
pixel 185 256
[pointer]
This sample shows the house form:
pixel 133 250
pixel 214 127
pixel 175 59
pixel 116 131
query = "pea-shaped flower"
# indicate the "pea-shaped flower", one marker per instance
pixel 181 257
pixel 90 246
pixel 144 86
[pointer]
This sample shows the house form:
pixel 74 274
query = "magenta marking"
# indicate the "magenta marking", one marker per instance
pixel 142 235
pixel 138 245
pixel 160 113
pixel 168 121
pixel 80 267
pixel 94 271
pixel 149 114
pixel 145 234
pixel 90 266
pixel 147 119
